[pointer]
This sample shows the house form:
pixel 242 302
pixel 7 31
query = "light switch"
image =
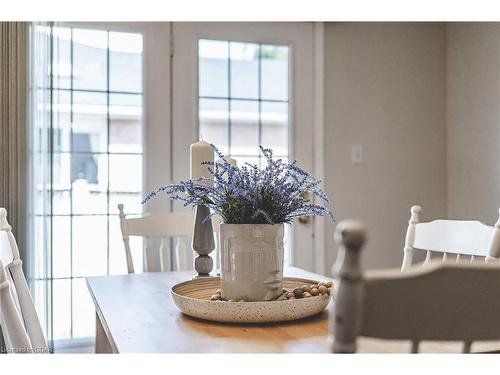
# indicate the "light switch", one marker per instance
pixel 356 154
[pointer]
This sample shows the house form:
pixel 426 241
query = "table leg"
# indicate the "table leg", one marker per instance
pixel 101 341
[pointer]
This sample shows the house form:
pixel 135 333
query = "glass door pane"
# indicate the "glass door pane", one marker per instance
pixel 243 101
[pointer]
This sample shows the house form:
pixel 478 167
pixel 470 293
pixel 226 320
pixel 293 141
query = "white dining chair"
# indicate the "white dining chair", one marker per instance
pixel 18 318
pixel 458 240
pixel 441 301
pixel 164 226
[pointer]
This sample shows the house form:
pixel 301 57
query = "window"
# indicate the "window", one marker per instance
pixel 96 159
pixel 243 97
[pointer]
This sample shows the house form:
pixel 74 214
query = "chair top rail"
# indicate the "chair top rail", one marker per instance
pixel 165 224
pixel 437 301
pixel 454 236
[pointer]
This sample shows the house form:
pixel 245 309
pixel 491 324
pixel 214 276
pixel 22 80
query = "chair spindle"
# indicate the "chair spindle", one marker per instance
pixel 149 260
pixel 414 346
pixel 164 255
pixel 428 257
pixel 467 347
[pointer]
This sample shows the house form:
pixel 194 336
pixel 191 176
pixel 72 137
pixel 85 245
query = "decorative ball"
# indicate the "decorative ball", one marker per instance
pixel 203 264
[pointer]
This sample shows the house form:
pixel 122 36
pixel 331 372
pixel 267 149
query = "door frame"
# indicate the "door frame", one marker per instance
pixel 319 141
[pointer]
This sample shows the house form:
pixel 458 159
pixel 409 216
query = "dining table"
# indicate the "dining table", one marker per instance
pixel 135 313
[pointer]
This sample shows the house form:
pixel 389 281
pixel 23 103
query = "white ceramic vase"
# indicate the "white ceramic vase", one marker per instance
pixel 251 261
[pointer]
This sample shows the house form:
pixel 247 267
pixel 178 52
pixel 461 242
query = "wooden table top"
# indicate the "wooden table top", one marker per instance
pixel 138 316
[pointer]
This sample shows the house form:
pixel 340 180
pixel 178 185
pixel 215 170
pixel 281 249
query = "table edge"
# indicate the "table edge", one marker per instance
pixel 100 316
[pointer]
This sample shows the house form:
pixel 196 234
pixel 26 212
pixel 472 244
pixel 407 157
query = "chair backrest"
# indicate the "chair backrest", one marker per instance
pixel 440 301
pixel 459 240
pixel 164 226
pixel 20 324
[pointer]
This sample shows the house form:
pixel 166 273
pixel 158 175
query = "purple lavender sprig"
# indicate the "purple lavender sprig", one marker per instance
pixel 249 195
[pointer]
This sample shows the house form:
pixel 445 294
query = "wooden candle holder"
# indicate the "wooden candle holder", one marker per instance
pixel 203 241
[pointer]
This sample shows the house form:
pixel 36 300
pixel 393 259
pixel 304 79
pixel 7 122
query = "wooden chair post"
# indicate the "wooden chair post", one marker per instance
pixel 347 309
pixel 30 336
pixel 182 254
pixel 30 316
pixel 410 237
pixel 126 241
pixel 495 243
pixel 17 338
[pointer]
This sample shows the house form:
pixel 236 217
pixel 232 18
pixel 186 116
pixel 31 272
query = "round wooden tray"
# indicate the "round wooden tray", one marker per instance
pixel 193 298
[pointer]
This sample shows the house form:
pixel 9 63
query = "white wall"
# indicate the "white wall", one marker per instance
pixel 384 89
pixel 473 120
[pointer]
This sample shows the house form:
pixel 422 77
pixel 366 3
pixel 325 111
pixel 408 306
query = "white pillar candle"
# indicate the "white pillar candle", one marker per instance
pixel 229 160
pixel 200 152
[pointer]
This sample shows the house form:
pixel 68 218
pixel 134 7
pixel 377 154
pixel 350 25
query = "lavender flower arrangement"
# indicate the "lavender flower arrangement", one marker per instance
pixel 249 195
